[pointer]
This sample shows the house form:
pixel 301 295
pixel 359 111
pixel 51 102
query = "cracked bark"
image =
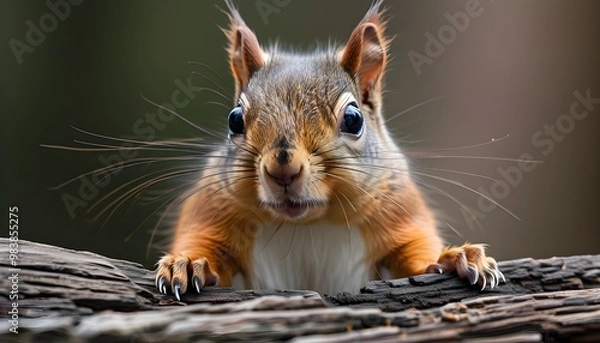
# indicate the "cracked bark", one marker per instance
pixel 75 296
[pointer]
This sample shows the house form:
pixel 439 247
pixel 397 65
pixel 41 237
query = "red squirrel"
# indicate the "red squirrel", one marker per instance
pixel 309 191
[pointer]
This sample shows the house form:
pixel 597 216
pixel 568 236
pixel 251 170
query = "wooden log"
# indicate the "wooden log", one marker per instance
pixel 74 296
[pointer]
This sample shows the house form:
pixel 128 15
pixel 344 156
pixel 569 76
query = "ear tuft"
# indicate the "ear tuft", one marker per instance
pixel 245 53
pixel 365 55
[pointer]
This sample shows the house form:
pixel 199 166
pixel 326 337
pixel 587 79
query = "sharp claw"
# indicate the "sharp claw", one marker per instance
pixel 484 282
pixel 501 276
pixel 196 282
pixel 160 284
pixel 496 279
pixel 435 269
pixel 493 281
pixel 176 291
pixel 164 289
pixel 473 275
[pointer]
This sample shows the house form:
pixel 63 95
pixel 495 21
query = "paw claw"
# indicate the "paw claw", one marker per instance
pixel 174 273
pixel 176 289
pixel 501 276
pixel 493 283
pixel 472 274
pixel 483 282
pixel 494 277
pixel 434 269
pixel 196 283
pixel 472 264
pixel 160 284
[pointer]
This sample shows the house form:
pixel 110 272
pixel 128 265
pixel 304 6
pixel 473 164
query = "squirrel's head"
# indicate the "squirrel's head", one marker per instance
pixel 304 125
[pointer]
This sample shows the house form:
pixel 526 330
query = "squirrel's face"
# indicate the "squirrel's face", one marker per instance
pixel 302 120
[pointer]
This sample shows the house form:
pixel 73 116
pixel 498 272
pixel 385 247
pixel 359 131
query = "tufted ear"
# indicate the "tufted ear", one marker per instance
pixel 364 56
pixel 245 53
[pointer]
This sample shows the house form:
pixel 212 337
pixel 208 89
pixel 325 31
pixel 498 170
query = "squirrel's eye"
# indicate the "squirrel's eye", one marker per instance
pixel 236 121
pixel 353 121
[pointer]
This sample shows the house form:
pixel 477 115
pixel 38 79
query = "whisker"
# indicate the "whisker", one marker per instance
pixel 373 188
pixel 70 148
pixel 459 172
pixel 115 148
pixel 132 192
pixel 218 104
pixel 110 147
pixel 206 66
pixel 321 153
pixel 182 198
pixel 171 174
pixel 272 235
pixel 247 147
pixel 343 210
pixel 457 202
pixel 170 199
pixel 225 201
pixel 455 230
pixel 195 154
pixel 214 91
pixel 458 184
pixel 422 183
pixel 147 143
pixel 349 202
pixel 489 158
pixel 291 243
pixel 464 147
pixel 366 157
pixel 200 128
pixel 147 161
pixel 214 83
pixel 347 166
pixel 123 165
pixel 414 107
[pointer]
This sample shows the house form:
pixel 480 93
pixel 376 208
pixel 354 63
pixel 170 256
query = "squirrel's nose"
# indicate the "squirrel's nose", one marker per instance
pixel 284 170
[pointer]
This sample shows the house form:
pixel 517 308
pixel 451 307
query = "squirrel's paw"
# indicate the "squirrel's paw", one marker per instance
pixel 469 262
pixel 179 272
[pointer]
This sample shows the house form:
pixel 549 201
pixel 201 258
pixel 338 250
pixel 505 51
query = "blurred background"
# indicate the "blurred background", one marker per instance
pixel 479 85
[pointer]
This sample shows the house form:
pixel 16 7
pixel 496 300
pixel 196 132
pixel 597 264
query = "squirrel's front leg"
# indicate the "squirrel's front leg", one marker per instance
pixel 195 260
pixel 200 254
pixel 423 252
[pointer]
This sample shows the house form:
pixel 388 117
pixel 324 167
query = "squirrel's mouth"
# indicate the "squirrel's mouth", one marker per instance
pixel 294 209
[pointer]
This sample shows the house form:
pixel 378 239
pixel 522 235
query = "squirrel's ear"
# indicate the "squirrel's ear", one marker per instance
pixel 364 56
pixel 245 54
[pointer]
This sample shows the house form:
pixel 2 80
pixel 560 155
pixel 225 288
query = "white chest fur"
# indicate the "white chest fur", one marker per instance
pixel 322 257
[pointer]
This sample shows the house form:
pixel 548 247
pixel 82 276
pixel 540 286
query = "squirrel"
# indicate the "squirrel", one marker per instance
pixel 309 191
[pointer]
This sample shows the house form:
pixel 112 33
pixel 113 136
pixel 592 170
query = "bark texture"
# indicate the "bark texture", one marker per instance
pixel 75 296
